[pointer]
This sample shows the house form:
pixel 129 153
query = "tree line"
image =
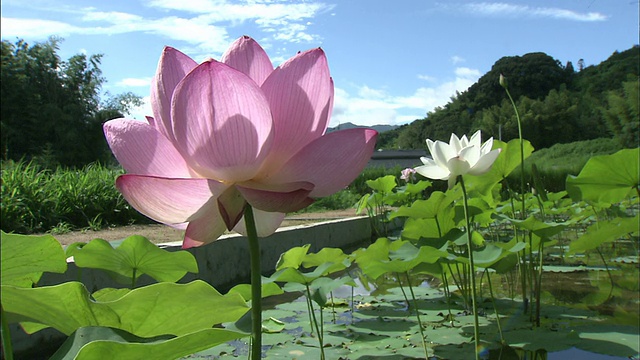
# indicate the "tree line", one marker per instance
pixel 52 110
pixel 557 104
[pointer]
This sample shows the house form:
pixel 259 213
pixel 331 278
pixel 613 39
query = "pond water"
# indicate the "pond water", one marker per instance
pixel 372 321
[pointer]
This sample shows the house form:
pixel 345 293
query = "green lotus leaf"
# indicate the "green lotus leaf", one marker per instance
pixel 134 257
pixel 158 309
pixel 106 343
pixel 25 257
pixel 384 184
pixel 605 231
pixel 607 178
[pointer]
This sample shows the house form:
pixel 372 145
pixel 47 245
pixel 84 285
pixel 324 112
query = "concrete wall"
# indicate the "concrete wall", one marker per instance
pixel 222 264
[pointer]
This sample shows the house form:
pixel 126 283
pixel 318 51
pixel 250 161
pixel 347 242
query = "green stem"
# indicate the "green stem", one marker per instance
pixel 133 279
pixel 7 348
pixel 406 299
pixel 315 322
pixel 415 305
pixel 515 108
pixel 256 284
pixel 476 327
pixel 495 308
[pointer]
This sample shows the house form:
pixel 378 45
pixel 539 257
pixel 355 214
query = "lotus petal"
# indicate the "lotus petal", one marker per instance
pixel 247 56
pixel 300 97
pixel 222 122
pixel 167 200
pixel 172 68
pixel 330 162
pixel 142 149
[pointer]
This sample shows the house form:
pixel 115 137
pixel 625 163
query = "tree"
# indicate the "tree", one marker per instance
pixel 621 114
pixel 51 108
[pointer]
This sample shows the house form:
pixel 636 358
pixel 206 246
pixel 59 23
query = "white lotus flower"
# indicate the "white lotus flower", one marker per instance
pixel 460 156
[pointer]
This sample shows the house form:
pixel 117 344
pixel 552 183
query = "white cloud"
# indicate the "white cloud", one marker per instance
pixel 35 28
pixel 513 10
pixel 134 82
pixel 426 77
pixel 455 59
pixel 371 106
pixel 140 112
pixel 203 23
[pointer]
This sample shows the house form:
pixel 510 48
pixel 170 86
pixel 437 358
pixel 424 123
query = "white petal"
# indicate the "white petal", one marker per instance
pixel 484 164
pixel 433 171
pixel 476 139
pixel 458 166
pixel 486 147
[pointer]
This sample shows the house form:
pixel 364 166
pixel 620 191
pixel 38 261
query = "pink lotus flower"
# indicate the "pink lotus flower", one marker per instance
pixel 233 132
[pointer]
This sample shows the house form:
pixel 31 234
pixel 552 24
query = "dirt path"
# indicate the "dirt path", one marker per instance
pixel 162 233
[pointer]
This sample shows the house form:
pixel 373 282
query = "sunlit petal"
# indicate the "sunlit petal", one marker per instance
pixel 300 96
pixel 443 152
pixel 433 171
pixel 169 201
pixel 247 56
pixel 484 164
pixel 205 229
pixel 231 206
pixel 470 154
pixel 330 162
pixel 458 166
pixel 173 67
pixel 222 122
pixel 476 139
pixel 286 197
pixel 143 150
pixel 266 223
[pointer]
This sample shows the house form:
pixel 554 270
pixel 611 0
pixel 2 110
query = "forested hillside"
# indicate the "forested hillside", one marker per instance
pixel 557 104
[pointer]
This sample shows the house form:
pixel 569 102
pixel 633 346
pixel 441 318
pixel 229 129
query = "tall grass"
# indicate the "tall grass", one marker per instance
pixel 38 200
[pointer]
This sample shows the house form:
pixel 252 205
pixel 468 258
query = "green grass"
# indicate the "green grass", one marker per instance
pixel 35 199
pixel 40 200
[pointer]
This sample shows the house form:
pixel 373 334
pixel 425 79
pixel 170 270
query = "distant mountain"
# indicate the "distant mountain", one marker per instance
pixel 348 125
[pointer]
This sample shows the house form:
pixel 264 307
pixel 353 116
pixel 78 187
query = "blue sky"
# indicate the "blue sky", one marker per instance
pixel 392 60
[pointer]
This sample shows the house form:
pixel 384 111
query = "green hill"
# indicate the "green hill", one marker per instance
pixel 557 104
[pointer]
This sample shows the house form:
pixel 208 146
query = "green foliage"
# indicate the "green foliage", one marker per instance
pixel 163 320
pixel 621 113
pixel 51 109
pixel 37 200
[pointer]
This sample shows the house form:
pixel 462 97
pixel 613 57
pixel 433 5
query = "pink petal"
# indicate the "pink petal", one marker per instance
pixel 285 197
pixel 231 206
pixel 331 162
pixel 143 150
pixel 172 68
pixel 205 229
pixel 246 55
pixel 300 93
pixel 150 120
pixel 170 201
pixel 222 122
pixel 266 223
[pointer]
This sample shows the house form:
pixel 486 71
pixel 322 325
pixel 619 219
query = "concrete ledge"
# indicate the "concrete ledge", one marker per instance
pixel 223 264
